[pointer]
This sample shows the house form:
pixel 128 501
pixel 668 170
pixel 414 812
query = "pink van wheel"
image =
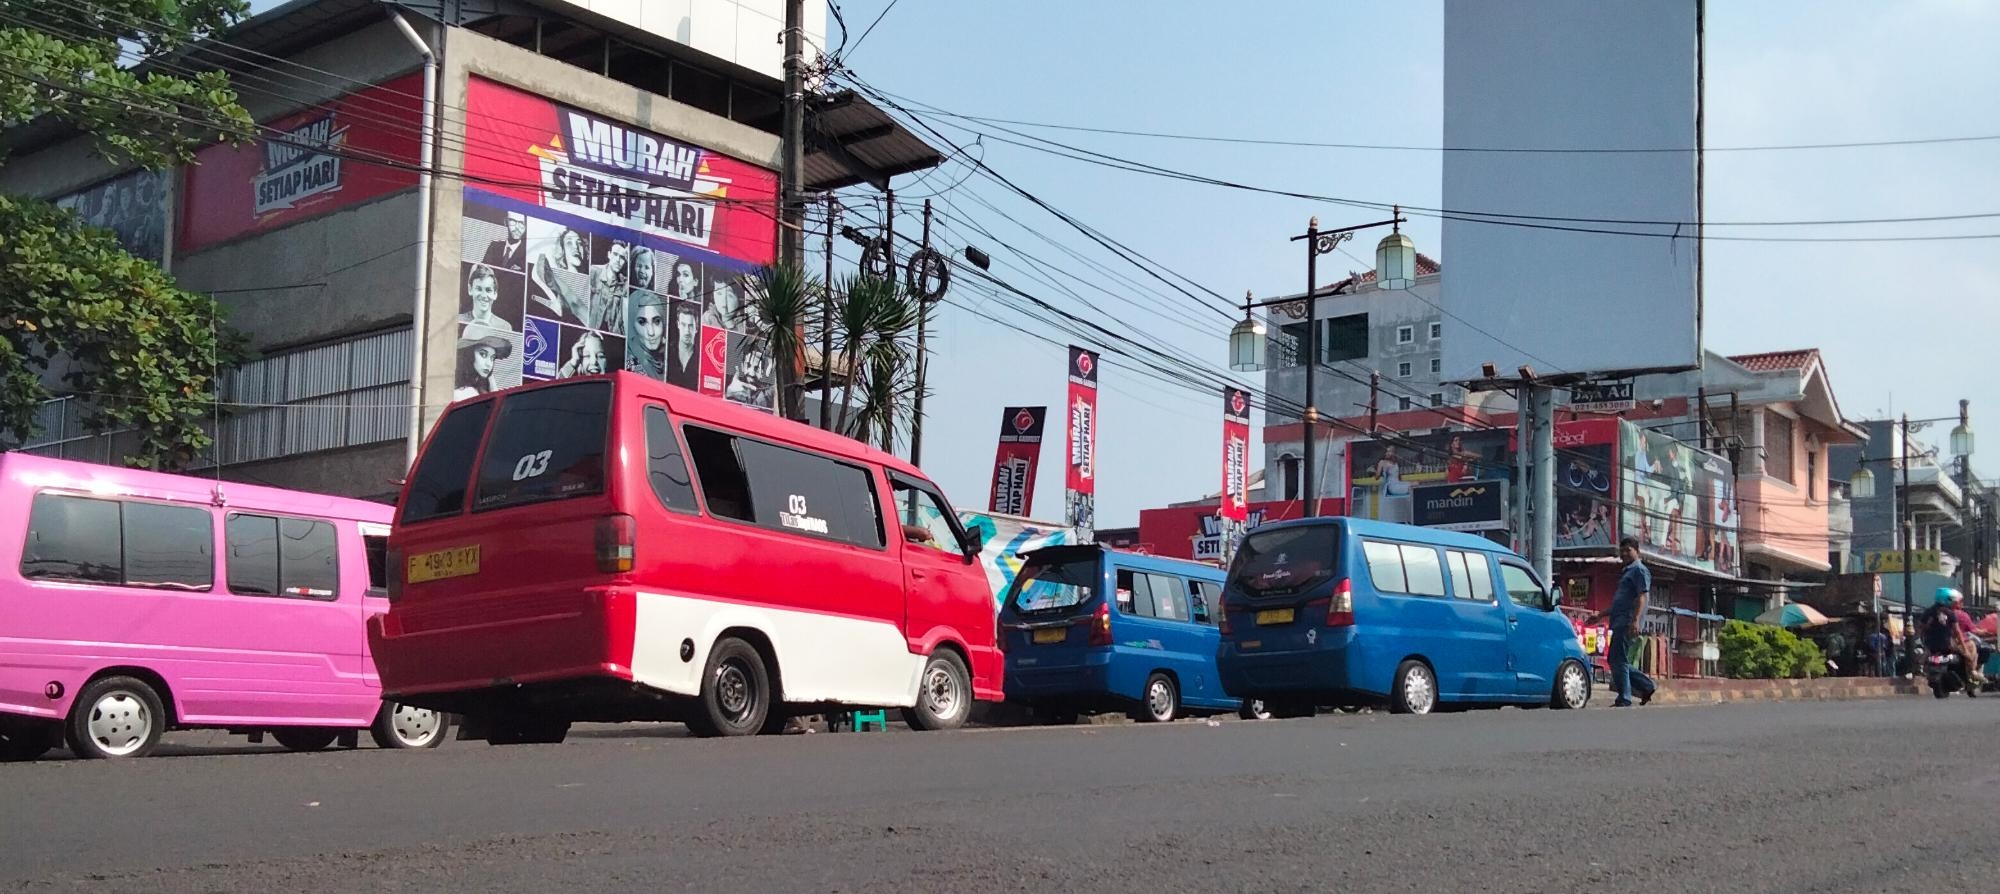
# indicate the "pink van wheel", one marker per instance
pixel 408 726
pixel 115 717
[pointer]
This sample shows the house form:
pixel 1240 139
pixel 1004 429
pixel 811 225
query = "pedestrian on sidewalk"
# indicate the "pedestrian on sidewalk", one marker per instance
pixel 1628 605
pixel 1876 648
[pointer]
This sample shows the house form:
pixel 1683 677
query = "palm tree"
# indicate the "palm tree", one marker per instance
pixel 783 302
pixel 886 396
pixel 861 302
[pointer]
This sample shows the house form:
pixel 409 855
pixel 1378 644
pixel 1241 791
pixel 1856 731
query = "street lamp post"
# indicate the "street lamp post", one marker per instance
pixel 1395 261
pixel 1861 485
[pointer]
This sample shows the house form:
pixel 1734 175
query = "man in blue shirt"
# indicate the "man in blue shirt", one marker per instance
pixel 1627 607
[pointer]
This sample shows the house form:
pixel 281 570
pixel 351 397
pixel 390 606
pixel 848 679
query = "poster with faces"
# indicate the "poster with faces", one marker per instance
pixel 543 298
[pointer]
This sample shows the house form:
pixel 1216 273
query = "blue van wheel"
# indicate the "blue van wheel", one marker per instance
pixel 1416 689
pixel 1572 687
pixel 1253 709
pixel 1162 702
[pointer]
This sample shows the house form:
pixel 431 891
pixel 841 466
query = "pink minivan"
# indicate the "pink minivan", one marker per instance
pixel 136 602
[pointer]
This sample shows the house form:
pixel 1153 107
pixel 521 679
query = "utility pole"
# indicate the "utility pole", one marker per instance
pixel 1374 397
pixel 826 320
pixel 1909 531
pixel 1544 504
pixel 917 289
pixel 791 223
pixel 1311 417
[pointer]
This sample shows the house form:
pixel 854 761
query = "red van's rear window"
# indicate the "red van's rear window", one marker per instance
pixel 548 444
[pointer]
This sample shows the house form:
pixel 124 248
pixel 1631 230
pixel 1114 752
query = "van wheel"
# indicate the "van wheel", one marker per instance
pixel 944 699
pixel 408 726
pixel 1416 690
pixel 1254 709
pixel 518 730
pixel 1572 687
pixel 735 695
pixel 305 738
pixel 26 741
pixel 1289 709
pixel 116 717
pixel 1163 700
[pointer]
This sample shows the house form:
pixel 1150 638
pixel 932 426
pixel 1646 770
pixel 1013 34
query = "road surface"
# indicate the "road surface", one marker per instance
pixel 1860 796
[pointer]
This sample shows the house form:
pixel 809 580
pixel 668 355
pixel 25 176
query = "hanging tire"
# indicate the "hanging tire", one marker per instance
pixel 735 697
pixel 408 726
pixel 1289 709
pixel 1254 709
pixel 1415 690
pixel 305 738
pixel 526 730
pixel 26 740
pixel 944 698
pixel 1162 701
pixel 1572 689
pixel 115 717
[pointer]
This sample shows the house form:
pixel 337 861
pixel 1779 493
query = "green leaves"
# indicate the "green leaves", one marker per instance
pixel 116 331
pixel 1763 652
pixel 784 301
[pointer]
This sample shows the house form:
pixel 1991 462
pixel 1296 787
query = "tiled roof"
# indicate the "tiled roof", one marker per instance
pixel 1773 361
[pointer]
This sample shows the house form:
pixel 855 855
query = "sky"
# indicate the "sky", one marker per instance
pixel 1903 326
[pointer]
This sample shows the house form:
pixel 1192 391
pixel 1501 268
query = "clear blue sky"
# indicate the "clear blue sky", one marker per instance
pixel 1905 327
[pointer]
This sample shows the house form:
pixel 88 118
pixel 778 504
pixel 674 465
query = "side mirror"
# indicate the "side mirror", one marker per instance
pixel 971 542
pixel 1550 599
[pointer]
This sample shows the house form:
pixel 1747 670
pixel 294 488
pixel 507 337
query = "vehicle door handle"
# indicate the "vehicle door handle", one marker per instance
pixel 1513 621
pixel 918 575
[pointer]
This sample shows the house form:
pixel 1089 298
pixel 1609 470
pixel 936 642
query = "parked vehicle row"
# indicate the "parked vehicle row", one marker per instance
pixel 613 549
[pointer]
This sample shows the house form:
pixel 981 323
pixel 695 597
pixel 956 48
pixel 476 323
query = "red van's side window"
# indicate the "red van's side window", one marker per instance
pixel 785 490
pixel 437 488
pixel 666 466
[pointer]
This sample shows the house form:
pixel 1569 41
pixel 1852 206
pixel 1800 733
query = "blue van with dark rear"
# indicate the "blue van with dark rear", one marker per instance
pixel 1344 611
pixel 1089 629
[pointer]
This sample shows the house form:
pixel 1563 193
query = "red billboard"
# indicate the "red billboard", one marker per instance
pixel 1196 532
pixel 1235 454
pixel 1014 464
pixel 361 146
pixel 1082 477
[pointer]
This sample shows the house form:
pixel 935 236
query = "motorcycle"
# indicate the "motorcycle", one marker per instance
pixel 1946 675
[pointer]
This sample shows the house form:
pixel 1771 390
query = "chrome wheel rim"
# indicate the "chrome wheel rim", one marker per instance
pixel 415 727
pixel 120 724
pixel 941 696
pixel 1575 687
pixel 1419 694
pixel 1160 700
pixel 733 691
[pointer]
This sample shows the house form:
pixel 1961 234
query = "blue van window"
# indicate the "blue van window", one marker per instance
pixel 1385 566
pixel 1471 577
pixel 1521 586
pixel 1287 560
pixel 1135 594
pixel 1420 566
pixel 1207 600
pixel 1170 601
pixel 1048 586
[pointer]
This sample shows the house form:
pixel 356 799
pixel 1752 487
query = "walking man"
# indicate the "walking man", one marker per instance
pixel 1876 648
pixel 1627 607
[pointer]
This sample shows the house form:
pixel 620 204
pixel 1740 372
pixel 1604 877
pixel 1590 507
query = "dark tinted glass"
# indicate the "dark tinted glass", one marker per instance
pixel 169 546
pixel 802 493
pixel 1286 560
pixel 438 486
pixel 723 482
pixel 1051 586
pixel 666 467
pixel 308 564
pixel 377 548
pixel 548 444
pixel 72 538
pixel 253 554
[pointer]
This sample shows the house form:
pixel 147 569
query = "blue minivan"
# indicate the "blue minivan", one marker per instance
pixel 1089 629
pixel 1345 611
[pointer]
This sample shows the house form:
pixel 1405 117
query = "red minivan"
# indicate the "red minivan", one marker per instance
pixel 612 548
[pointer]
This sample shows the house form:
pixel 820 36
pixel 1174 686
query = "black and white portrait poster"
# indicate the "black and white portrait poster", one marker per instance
pixel 132 206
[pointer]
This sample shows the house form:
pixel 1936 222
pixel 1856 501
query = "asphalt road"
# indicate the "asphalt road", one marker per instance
pixel 1862 796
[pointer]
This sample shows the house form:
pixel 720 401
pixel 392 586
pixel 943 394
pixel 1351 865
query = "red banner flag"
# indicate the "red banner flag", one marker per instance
pixel 1014 465
pixel 1235 454
pixel 1082 480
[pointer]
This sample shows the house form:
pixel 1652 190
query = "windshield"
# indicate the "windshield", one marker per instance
pixel 1286 560
pixel 1053 586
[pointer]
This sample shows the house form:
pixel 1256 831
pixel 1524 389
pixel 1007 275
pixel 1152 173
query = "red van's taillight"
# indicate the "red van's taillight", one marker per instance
pixel 617 543
pixel 394 572
pixel 1340 609
pixel 1100 625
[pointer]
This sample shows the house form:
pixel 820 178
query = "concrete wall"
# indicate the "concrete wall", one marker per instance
pixel 367 473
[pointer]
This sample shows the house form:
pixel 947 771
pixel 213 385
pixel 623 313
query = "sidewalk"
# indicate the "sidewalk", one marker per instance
pixel 1715 691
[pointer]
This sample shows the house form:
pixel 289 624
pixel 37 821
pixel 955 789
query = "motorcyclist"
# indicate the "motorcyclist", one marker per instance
pixel 1968 636
pixel 1941 631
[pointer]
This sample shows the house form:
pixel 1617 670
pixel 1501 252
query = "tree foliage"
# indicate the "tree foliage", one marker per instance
pixel 75 308
pixel 1764 652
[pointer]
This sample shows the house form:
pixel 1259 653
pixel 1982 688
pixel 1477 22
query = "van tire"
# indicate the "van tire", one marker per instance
pixel 406 726
pixel 944 694
pixel 115 717
pixel 1291 709
pixel 1254 709
pixel 1415 690
pixel 1572 687
pixel 1162 701
pixel 305 738
pixel 735 697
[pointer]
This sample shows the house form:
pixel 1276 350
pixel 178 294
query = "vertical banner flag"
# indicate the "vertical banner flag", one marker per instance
pixel 1014 466
pixel 1082 485
pixel 1235 454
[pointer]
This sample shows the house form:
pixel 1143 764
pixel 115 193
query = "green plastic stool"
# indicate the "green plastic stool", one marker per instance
pixel 862 720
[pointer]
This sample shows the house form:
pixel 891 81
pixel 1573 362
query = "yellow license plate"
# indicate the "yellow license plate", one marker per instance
pixel 1274 616
pixel 444 563
pixel 1052 635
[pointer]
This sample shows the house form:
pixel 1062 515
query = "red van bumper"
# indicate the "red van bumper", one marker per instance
pixel 475 644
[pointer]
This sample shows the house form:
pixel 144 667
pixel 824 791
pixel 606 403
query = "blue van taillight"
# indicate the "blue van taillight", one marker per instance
pixel 1222 620
pixel 1100 625
pixel 617 543
pixel 1340 607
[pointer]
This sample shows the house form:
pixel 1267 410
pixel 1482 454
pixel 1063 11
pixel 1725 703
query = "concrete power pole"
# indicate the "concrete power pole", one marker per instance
pixel 791 216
